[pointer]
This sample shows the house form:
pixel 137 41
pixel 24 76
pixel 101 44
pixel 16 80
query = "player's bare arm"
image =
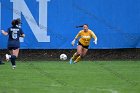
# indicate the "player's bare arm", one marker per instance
pixel 4 33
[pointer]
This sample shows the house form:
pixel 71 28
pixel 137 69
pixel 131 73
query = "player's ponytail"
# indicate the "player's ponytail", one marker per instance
pixel 81 26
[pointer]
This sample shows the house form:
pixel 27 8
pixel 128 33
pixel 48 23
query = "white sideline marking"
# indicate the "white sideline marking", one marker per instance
pixel 110 90
pixel 99 89
pixel 15 91
pixel 55 85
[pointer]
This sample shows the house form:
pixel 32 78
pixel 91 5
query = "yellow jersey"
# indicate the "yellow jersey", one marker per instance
pixel 85 37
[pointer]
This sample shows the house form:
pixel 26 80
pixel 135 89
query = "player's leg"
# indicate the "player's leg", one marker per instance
pixel 76 54
pixel 79 48
pixel 11 53
pixel 16 52
pixel 14 56
pixel 79 53
pixel 84 52
pixel 73 58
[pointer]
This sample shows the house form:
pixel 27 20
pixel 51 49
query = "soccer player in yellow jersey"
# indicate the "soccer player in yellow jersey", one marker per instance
pixel 83 43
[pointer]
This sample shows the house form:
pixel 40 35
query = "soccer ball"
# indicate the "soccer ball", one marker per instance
pixel 63 56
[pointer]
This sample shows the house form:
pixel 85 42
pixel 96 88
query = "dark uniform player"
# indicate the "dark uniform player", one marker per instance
pixel 14 32
pixel 1 63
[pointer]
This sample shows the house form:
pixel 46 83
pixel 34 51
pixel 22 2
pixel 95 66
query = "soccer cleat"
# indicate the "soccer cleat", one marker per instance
pixel 1 63
pixel 13 67
pixel 75 62
pixel 7 57
pixel 70 61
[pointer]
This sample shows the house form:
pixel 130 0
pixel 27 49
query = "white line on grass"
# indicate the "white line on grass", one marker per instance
pixel 110 90
pixel 103 90
pixel 15 91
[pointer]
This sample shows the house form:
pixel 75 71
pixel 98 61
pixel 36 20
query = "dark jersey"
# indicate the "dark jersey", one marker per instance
pixel 14 35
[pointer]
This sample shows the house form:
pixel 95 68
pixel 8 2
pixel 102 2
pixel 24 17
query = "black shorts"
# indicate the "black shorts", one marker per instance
pixel 83 45
pixel 12 48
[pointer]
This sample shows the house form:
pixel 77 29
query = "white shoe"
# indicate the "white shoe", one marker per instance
pixel 7 57
pixel 13 67
pixel 70 61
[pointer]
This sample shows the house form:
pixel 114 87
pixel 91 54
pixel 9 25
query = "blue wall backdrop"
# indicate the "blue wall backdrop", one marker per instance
pixel 50 24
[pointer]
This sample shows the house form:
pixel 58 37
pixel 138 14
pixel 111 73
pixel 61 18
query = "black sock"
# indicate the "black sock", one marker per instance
pixel 0 60
pixel 13 60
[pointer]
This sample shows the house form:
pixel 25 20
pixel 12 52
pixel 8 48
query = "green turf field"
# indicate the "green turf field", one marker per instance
pixel 61 77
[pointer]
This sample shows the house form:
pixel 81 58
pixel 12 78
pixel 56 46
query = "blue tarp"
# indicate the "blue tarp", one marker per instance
pixel 50 24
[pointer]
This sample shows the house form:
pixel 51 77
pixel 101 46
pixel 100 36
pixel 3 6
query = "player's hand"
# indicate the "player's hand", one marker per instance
pixel 2 31
pixel 73 42
pixel 23 35
pixel 95 42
